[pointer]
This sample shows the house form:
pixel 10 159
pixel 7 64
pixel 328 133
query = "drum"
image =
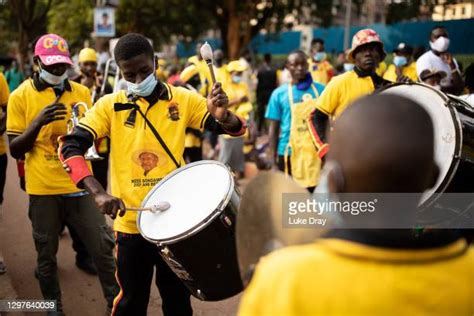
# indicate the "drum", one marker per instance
pixel 453 121
pixel 196 235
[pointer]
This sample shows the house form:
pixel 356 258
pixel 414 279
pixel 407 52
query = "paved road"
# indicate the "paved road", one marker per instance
pixel 81 292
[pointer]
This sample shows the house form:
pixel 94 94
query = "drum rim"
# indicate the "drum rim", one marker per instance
pixel 458 146
pixel 202 224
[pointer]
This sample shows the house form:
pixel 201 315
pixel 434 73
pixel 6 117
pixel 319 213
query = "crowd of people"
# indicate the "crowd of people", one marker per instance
pixel 169 114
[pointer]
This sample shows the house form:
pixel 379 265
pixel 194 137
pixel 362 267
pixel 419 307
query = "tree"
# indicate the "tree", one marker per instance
pixel 72 20
pixel 31 20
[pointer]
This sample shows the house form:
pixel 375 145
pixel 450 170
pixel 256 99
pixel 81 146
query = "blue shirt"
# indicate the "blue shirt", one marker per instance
pixel 279 109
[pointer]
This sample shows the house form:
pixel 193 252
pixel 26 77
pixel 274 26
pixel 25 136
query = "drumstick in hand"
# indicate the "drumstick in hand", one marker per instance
pixel 206 54
pixel 160 207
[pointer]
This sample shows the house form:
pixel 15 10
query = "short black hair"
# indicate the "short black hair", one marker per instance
pixel 297 51
pixel 131 45
pixel 267 57
pixel 469 77
pixel 437 27
pixel 317 40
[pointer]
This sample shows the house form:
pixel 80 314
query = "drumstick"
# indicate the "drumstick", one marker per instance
pixel 206 54
pixel 160 207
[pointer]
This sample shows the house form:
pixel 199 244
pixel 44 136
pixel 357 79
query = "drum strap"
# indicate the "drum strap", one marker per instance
pixel 158 137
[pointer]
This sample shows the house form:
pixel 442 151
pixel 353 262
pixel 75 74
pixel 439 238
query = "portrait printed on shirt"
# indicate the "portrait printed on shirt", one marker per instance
pixel 145 169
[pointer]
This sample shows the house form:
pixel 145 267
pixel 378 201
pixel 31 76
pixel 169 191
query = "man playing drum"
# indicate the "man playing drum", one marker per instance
pixel 366 52
pixel 150 117
pixel 38 112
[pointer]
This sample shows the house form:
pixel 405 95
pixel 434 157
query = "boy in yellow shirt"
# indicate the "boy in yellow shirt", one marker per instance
pixel 146 125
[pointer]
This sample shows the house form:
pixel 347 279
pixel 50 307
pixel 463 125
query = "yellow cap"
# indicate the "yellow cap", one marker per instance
pixel 236 66
pixel 87 54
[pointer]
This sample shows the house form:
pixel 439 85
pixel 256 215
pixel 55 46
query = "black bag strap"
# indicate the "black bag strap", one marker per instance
pixel 158 137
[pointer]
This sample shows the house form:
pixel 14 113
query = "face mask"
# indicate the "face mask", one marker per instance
pixel 400 61
pixel 437 87
pixel 440 45
pixel 144 88
pixel 348 67
pixel 50 78
pixel 236 79
pixel 320 56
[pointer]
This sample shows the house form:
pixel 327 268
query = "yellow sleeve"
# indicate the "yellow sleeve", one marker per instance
pixel 97 120
pixel 16 116
pixel 330 98
pixel 188 73
pixel 198 112
pixel 4 91
pixel 244 110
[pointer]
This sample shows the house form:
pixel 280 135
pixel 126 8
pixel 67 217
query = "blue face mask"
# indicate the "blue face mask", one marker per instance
pixel 400 61
pixel 52 79
pixel 236 79
pixel 320 56
pixel 348 67
pixel 144 88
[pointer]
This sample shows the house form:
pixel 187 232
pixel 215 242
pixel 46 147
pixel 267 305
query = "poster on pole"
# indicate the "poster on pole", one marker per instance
pixel 104 22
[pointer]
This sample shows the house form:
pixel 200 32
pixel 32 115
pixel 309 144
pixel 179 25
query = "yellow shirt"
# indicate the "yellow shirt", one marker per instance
pixel 44 172
pixel 337 277
pixel 407 71
pixel 321 72
pixel 4 94
pixel 137 160
pixel 341 91
pixel 381 68
pixel 243 109
pixel 198 67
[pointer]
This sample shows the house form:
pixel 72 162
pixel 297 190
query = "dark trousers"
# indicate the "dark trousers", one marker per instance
pixel 100 168
pixel 48 213
pixel 136 260
pixel 3 174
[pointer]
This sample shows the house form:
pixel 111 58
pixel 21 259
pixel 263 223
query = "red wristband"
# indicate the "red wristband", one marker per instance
pixel 20 166
pixel 77 168
pixel 323 150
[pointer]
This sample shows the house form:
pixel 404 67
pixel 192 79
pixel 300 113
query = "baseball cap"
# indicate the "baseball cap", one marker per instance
pixel 87 54
pixel 52 49
pixel 403 48
pixel 428 73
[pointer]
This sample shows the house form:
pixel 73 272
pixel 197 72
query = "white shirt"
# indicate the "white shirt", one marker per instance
pixel 430 60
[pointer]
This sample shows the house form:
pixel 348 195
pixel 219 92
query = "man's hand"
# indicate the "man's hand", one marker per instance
pixel 448 59
pixel 109 204
pixel 51 113
pixel 217 103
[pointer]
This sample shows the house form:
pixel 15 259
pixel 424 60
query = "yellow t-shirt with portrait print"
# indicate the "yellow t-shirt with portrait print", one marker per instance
pixel 4 94
pixel 45 174
pixel 343 90
pixel 137 159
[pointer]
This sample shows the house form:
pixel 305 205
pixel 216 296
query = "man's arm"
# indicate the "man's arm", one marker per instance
pixel 21 144
pixel 273 135
pixel 457 84
pixel 317 123
pixel 71 153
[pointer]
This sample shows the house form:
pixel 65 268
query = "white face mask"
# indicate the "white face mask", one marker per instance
pixel 144 88
pixel 50 78
pixel 440 45
pixel 438 87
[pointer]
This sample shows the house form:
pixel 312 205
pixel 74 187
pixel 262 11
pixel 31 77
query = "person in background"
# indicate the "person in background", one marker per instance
pixel 366 52
pixel 402 69
pixel 432 77
pixel 290 149
pixel 469 85
pixel 232 148
pixel 406 273
pixel 441 59
pixel 14 76
pixel 320 68
pixel 266 82
pixel 4 94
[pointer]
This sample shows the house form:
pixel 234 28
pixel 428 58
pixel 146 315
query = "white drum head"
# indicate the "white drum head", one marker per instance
pixel 444 127
pixel 194 192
